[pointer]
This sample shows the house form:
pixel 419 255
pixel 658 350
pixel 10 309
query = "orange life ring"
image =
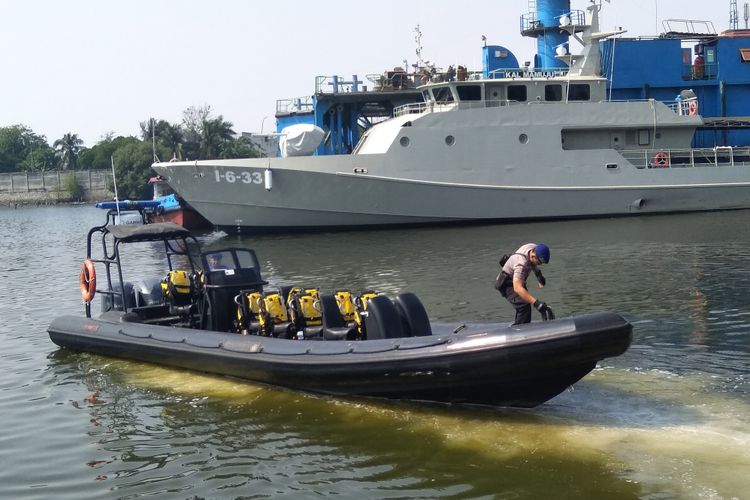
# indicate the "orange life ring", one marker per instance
pixel 88 280
pixel 660 159
pixel 693 108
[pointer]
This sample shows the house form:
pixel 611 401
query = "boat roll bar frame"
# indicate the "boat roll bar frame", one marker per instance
pixel 126 234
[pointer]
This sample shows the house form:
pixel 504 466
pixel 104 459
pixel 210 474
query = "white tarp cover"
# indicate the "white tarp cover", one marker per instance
pixel 300 140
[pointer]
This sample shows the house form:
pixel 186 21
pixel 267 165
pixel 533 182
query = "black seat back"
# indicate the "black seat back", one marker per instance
pixel 222 287
pixel 334 325
pixel 332 317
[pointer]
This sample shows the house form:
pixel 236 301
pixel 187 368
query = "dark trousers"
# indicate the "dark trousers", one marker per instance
pixel 523 308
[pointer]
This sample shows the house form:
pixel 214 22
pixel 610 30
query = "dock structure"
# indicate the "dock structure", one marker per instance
pixel 344 109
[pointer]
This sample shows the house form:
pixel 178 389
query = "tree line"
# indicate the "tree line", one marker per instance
pixel 200 136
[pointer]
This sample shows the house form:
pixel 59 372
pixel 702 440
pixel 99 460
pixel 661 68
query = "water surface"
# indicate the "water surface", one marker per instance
pixel 668 419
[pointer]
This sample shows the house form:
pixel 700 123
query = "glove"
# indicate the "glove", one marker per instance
pixel 544 310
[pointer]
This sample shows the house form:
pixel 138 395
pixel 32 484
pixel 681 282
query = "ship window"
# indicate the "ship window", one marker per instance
pixel 745 55
pixel 579 92
pixel 247 259
pixel 404 141
pixel 442 95
pixel 517 93
pixel 553 92
pixel 710 55
pixel 644 137
pixel 426 96
pixel 469 92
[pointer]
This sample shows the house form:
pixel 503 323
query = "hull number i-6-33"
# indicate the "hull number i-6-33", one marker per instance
pixel 244 177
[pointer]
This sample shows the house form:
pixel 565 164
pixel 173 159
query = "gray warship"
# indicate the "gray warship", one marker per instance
pixel 524 144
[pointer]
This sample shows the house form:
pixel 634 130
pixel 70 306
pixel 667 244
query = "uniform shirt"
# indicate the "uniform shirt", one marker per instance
pixel 519 266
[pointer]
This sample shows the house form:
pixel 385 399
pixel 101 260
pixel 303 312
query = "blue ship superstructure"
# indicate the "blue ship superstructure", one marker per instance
pixel 687 55
pixel 716 67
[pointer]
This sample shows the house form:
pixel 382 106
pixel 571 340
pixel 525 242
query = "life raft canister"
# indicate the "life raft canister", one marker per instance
pixel 88 281
pixel 693 107
pixel 660 159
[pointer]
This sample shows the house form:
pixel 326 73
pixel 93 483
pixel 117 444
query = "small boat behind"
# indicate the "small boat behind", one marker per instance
pixel 166 206
pixel 213 312
pixel 172 208
pixel 128 212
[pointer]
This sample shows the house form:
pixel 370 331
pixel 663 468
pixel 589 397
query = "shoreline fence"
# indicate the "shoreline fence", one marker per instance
pixel 53 181
pixel 34 188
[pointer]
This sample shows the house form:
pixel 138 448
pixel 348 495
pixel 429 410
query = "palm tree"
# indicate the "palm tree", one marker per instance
pixel 214 134
pixel 171 137
pixel 165 133
pixel 67 149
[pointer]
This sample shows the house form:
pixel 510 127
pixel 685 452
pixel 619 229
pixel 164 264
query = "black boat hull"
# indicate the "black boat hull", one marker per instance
pixel 482 364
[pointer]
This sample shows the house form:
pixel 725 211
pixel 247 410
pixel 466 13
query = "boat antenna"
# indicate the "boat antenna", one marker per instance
pixel 418 38
pixel 153 140
pixel 114 184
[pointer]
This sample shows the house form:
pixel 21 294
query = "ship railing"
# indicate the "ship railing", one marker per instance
pixel 337 85
pixel 719 156
pixel 680 107
pixel 294 105
pixel 684 106
pixel 530 22
pixel 692 72
pixel 421 107
pixel 388 81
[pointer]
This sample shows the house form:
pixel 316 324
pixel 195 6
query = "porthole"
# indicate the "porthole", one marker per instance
pixel 523 138
pixel 404 141
pixel 450 140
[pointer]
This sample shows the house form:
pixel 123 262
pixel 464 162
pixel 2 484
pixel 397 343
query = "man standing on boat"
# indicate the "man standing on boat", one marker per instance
pixel 511 282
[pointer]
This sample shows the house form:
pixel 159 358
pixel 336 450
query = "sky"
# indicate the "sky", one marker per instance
pixel 94 67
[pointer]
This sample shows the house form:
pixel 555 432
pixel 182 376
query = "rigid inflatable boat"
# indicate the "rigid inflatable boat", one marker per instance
pixel 214 313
